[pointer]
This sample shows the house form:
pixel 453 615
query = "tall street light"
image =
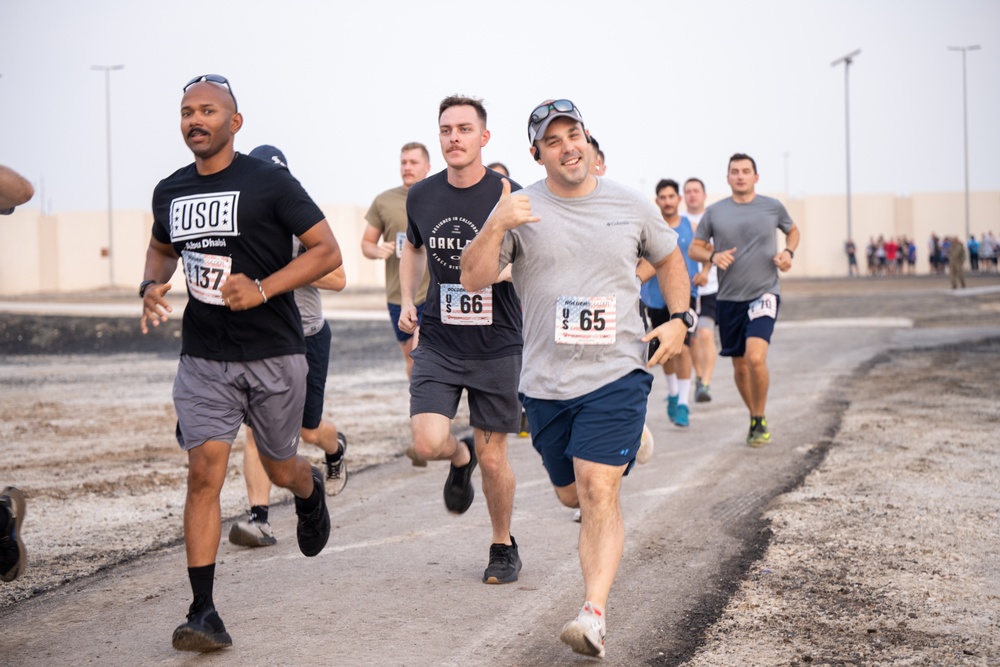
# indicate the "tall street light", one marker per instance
pixel 847 60
pixel 965 129
pixel 108 69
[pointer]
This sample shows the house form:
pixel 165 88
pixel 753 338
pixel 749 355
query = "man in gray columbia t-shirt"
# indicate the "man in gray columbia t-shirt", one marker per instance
pixel 737 235
pixel 573 242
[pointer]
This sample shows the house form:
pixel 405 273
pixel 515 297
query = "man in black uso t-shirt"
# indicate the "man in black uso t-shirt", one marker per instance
pixel 467 340
pixel 229 218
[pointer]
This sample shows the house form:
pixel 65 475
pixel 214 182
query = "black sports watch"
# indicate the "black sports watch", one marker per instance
pixel 142 287
pixel 686 316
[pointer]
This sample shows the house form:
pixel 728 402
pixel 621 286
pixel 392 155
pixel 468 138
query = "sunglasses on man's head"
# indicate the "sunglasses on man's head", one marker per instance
pixel 543 111
pixel 213 78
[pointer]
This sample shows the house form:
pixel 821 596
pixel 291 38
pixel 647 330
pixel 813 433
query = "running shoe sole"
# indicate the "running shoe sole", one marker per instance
pixel 18 508
pixel 575 635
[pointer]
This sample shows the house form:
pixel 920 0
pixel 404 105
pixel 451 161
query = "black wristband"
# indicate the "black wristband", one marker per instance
pixel 711 257
pixel 142 287
pixel 790 252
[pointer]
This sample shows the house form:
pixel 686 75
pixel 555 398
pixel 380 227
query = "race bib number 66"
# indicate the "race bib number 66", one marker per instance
pixel 206 274
pixel 462 308
pixel 586 320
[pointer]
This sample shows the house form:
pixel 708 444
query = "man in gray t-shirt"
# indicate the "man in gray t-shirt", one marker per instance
pixel 573 242
pixel 737 235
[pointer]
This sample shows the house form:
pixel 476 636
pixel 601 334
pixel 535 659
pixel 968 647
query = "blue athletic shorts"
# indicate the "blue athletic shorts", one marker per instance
pixel 318 357
pixel 735 325
pixel 604 426
pixel 394 311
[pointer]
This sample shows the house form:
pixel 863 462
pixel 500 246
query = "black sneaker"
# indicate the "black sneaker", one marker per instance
pixel 314 528
pixel 504 564
pixel 204 630
pixel 13 556
pixel 458 490
pixel 336 471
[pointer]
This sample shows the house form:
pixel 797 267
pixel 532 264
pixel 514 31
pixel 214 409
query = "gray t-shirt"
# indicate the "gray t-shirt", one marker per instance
pixel 750 228
pixel 307 298
pixel 574 271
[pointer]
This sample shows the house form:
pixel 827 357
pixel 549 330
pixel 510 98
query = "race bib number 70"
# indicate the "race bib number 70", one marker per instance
pixel 586 320
pixel 765 306
pixel 206 274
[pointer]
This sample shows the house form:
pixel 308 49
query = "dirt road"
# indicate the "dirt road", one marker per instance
pixel 885 554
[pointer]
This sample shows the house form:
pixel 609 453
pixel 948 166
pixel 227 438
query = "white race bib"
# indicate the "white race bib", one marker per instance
pixel 463 308
pixel 206 274
pixel 765 306
pixel 400 242
pixel 586 320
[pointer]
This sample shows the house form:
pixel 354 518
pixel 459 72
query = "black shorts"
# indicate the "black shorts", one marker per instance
pixel 658 316
pixel 706 311
pixel 438 380
pixel 318 358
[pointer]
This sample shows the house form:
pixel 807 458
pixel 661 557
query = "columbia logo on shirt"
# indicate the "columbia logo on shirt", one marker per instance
pixel 200 215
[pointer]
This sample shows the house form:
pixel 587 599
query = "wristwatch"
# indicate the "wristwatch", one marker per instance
pixel 142 287
pixel 686 316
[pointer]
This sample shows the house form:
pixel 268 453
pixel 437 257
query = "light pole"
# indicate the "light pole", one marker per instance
pixel 965 129
pixel 847 60
pixel 108 69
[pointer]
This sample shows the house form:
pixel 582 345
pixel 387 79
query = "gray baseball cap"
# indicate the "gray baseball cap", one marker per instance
pixel 548 111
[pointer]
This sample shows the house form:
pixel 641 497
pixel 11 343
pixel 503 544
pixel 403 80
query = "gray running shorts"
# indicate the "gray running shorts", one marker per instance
pixel 213 398
pixel 437 383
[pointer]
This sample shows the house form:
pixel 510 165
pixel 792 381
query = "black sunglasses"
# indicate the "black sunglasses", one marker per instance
pixel 214 78
pixel 543 111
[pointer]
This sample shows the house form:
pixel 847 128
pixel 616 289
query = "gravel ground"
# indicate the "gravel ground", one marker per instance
pixel 887 554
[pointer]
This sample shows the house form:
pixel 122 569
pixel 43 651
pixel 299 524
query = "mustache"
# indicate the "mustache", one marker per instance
pixel 196 130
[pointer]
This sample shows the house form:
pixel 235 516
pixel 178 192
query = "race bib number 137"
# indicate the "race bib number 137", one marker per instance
pixel 583 320
pixel 206 274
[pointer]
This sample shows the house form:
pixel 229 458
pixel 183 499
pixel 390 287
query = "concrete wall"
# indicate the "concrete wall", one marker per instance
pixel 66 252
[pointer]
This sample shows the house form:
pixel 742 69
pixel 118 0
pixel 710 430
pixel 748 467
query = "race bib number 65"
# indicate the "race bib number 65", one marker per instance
pixel 462 308
pixel 586 320
pixel 206 274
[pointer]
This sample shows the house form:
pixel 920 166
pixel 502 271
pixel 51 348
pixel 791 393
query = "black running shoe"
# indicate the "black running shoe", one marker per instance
pixel 13 556
pixel 458 490
pixel 314 528
pixel 504 564
pixel 204 630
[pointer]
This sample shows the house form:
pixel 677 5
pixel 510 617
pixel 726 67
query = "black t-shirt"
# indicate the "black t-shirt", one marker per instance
pixel 445 219
pixel 239 220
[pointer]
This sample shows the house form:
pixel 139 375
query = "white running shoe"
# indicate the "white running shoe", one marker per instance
pixel 645 446
pixel 336 471
pixel 577 516
pixel 585 633
pixel 250 533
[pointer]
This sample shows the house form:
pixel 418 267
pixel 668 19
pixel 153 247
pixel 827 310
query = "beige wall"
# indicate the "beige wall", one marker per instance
pixel 63 253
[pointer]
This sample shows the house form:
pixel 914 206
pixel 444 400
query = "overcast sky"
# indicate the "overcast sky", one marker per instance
pixel 670 89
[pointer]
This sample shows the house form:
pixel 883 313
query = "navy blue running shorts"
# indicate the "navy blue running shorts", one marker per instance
pixel 735 325
pixel 318 359
pixel 604 426
pixel 394 311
